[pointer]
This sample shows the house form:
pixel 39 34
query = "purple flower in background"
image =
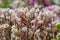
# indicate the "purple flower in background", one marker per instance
pixel 42 0
pixel 32 2
pixel 48 5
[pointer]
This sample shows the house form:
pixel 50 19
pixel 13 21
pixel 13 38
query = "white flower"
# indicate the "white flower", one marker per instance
pixel 24 29
pixel 2 15
pixel 40 21
pixel 49 25
pixel 33 21
pixel 53 22
pixel 37 31
pixel 0 26
pixel 18 19
pixel 39 38
pixel 4 38
pixel 28 14
pixel 37 10
pixel 25 9
pixel 17 38
pixel 13 35
pixel 35 5
pixel 3 11
pixel 32 10
pixel 21 9
pixel 30 32
pixel 36 14
pixel 5 25
pixel 11 11
pixel 14 28
pixel 38 17
pixel 8 17
pixel 40 13
pixel 33 27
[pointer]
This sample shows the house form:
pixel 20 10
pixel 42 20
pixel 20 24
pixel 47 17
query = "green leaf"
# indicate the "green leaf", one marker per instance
pixel 58 36
pixel 5 3
pixel 58 26
pixel 54 39
pixel 11 1
pixel 1 5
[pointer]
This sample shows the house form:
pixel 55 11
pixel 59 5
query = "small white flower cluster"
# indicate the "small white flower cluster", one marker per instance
pixel 31 24
pixel 4 26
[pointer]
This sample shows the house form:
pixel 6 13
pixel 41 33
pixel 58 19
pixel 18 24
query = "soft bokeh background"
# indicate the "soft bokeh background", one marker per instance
pixel 30 3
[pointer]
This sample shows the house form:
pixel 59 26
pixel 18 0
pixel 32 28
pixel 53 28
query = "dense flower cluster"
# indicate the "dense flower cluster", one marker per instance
pixel 37 23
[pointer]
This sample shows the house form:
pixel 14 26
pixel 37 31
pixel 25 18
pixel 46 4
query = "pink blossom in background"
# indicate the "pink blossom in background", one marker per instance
pixel 43 1
pixel 32 2
pixel 48 5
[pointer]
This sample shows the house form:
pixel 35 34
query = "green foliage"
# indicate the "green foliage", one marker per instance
pixel 58 36
pixel 58 26
pixel 52 2
pixel 11 1
pixel 54 39
pixel 1 5
pixel 5 3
